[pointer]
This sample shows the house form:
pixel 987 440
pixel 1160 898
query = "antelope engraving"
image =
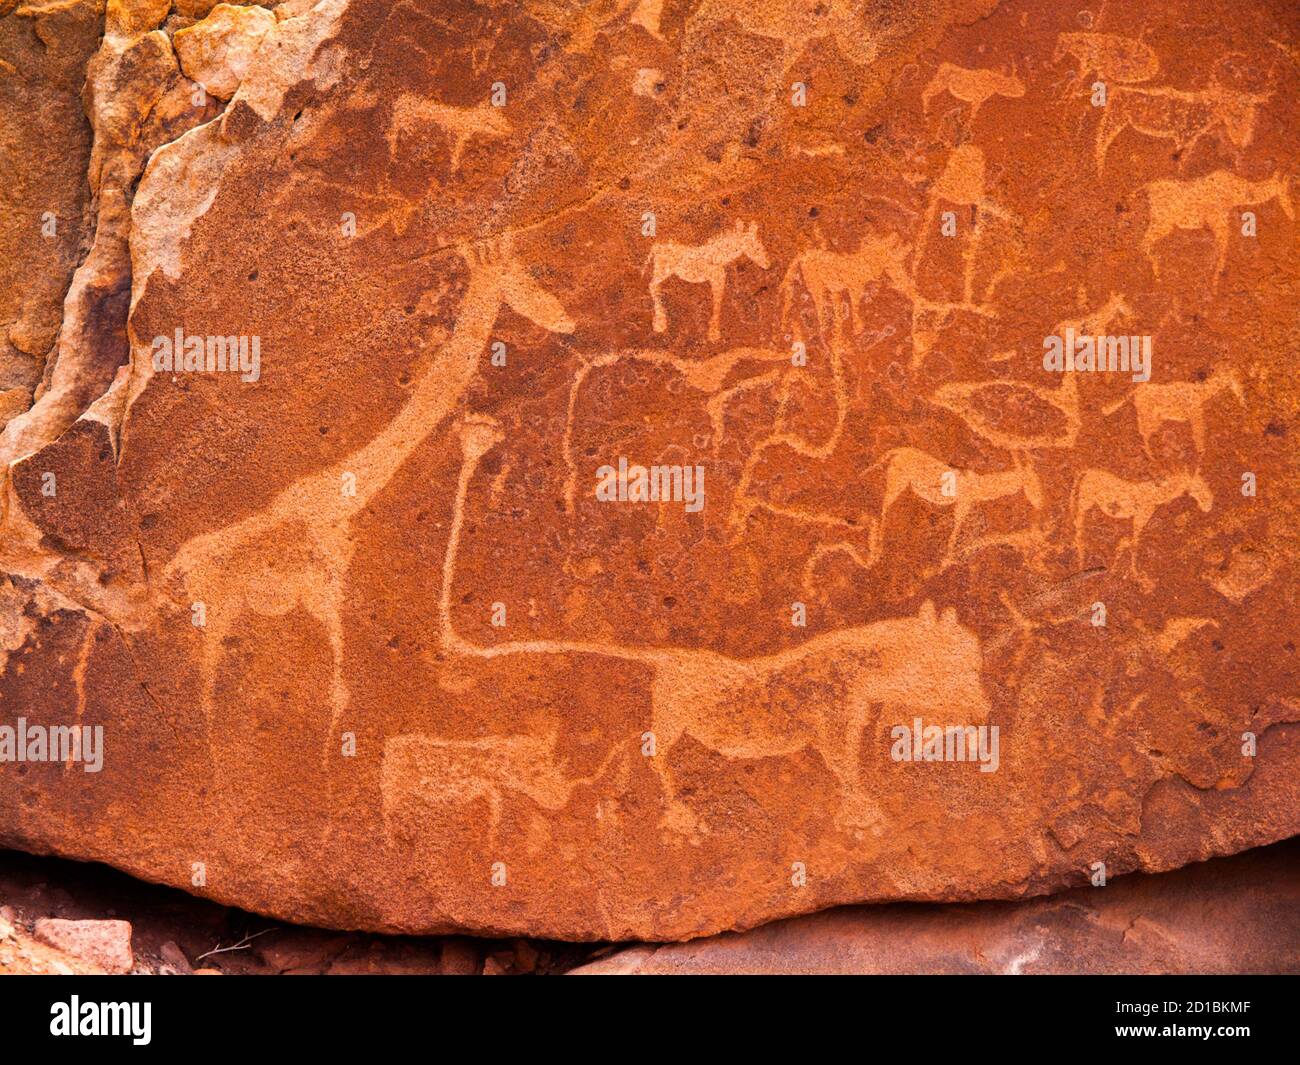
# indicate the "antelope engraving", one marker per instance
pixel 699 263
pixel 832 277
pixel 459 123
pixel 794 24
pixel 1182 401
pixel 908 467
pixel 974 87
pixel 420 771
pixel 1134 501
pixel 1207 203
pixel 1179 116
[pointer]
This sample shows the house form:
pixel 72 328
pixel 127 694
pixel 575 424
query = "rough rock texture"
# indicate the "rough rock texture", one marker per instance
pixel 104 944
pixel 44 151
pixel 1232 915
pixel 175 934
pixel 22 955
pixel 1228 915
pixel 368 649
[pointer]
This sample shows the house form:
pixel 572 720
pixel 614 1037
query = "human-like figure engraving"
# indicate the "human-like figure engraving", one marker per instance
pixel 962 183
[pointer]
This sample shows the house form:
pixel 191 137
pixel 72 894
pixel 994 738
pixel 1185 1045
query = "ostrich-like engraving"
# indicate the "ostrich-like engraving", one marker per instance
pixel 1207 202
pixel 1179 116
pixel 296 551
pixel 1110 57
pixel 698 263
pixel 968 399
pixel 920 663
pixel 1134 501
pixel 908 467
pixel 974 87
pixel 1182 401
pixel 459 123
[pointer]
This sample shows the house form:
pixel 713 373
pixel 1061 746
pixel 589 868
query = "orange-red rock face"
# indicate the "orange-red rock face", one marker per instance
pixel 379 633
pixel 1233 915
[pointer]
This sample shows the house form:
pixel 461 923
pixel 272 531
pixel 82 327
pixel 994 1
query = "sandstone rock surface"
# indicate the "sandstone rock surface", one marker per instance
pixel 1231 915
pixel 21 955
pixel 366 645
pixel 104 944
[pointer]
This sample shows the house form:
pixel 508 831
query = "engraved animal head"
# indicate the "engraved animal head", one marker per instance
pixel 929 661
pixel 1009 84
pixel 1282 184
pixel 1029 482
pixel 1228 379
pixel 748 244
pixel 1195 486
pixel 1237 112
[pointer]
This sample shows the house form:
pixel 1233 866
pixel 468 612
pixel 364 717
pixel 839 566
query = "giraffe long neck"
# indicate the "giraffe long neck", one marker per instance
pixel 435 397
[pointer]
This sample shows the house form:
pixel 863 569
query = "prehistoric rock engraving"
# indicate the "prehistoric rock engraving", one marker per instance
pixel 1110 57
pixel 704 375
pixel 796 24
pixel 974 87
pixel 1182 401
pixel 430 771
pixel 1184 117
pixel 907 467
pixel 962 183
pixel 1207 202
pixel 429 648
pixel 833 277
pixel 701 263
pixel 968 400
pixel 1136 502
pixel 296 552
pixel 410 112
pixel 917 664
